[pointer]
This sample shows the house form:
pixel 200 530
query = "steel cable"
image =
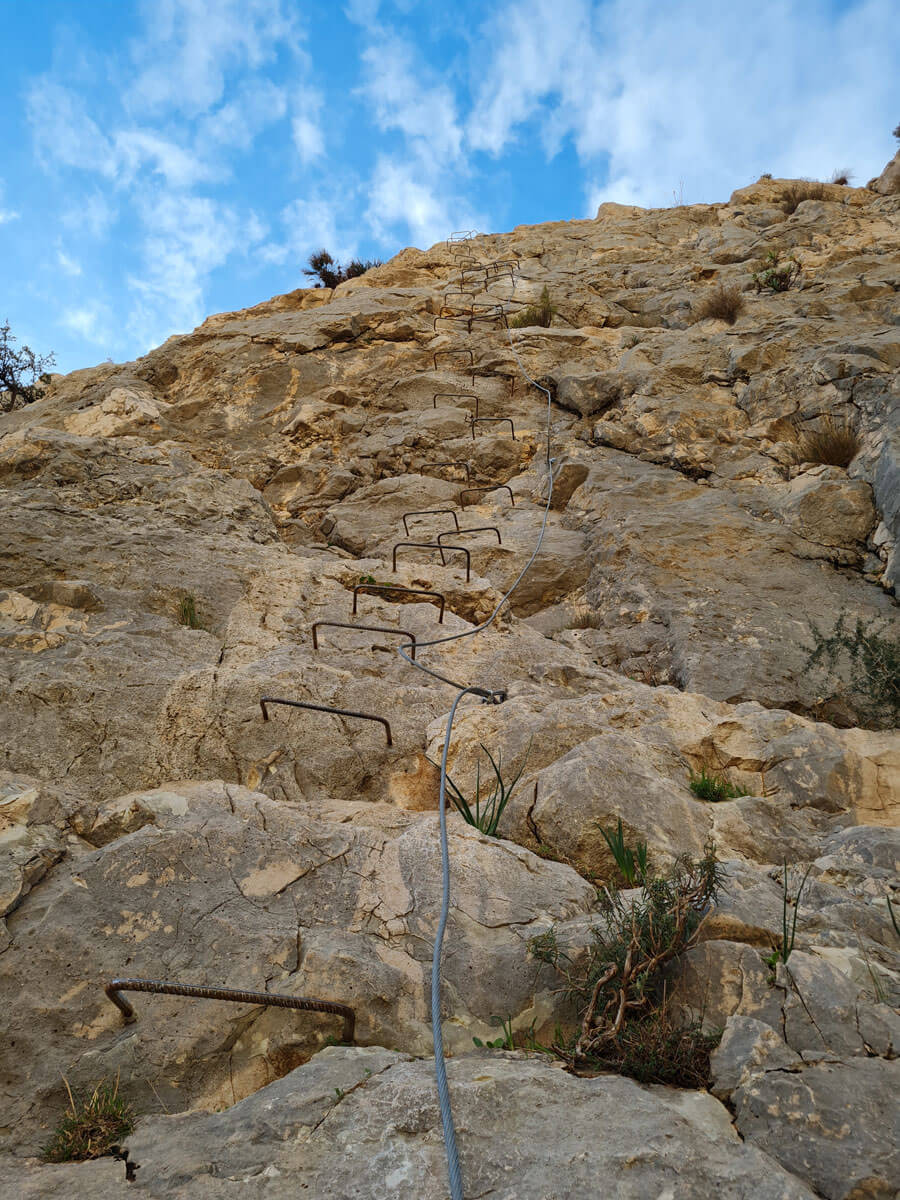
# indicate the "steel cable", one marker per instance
pixel 488 696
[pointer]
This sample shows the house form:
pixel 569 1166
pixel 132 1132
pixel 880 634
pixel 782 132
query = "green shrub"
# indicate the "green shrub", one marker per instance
pixel 618 985
pixel 330 273
pixel 714 788
pixel 776 274
pixel 721 304
pixel 874 663
pixel 632 864
pixel 796 193
pixel 483 813
pixel 92 1127
pixel 834 442
pixel 541 314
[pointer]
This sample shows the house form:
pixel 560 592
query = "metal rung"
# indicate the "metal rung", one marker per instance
pixel 483 420
pixel 429 512
pixel 390 587
pixel 491 487
pixel 474 529
pixel 434 546
pixel 326 708
pixel 370 628
pixel 271 999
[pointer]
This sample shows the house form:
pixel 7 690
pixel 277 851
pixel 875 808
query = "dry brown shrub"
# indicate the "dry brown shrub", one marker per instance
pixel 835 443
pixel 796 193
pixel 721 303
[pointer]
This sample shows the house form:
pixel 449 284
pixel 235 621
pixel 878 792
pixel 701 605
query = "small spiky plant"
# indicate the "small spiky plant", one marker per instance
pixel 93 1125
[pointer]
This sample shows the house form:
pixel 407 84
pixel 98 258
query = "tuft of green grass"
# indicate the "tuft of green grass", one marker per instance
pixel 714 788
pixel 92 1126
pixel 485 812
pixel 540 314
pixel 776 274
pixel 187 613
pixel 632 864
pixel 788 927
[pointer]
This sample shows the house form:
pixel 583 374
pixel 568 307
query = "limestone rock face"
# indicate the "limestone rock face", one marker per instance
pixel 366 1123
pixel 221 521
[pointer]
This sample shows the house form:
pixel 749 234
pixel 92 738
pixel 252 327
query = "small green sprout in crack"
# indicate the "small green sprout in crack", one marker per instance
pixel 188 615
pixel 713 788
pixel 505 1042
pixel 632 864
pixel 485 811
pixel 782 952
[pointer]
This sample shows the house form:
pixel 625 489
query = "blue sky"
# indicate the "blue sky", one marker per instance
pixel 165 159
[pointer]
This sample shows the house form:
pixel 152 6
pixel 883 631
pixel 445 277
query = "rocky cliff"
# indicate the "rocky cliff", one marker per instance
pixel 173 529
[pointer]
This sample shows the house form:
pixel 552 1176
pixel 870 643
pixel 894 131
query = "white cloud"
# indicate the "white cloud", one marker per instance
pixel 90 322
pixel 67 264
pixel 405 97
pixel 190 45
pixel 92 215
pixel 63 131
pixel 398 195
pixel 314 223
pixel 187 237
pixel 696 90
pixel 6 214
pixel 140 148
pixel 306 127
pixel 257 104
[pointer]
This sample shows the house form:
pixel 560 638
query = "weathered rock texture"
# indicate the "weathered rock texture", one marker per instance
pixel 153 825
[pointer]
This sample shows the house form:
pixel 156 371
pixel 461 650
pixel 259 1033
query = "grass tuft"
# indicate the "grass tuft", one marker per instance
pixel 835 443
pixel 721 304
pixel 796 193
pixel 187 613
pixel 92 1126
pixel 485 812
pixel 714 788
pixel 540 314
pixel 632 864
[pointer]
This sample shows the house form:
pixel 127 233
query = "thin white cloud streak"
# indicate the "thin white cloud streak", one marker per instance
pixel 695 90
pixel 190 46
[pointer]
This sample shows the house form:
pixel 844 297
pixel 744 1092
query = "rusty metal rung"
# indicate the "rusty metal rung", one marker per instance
pixel 491 487
pixel 326 708
pixel 473 529
pixel 429 512
pixel 434 546
pixel 391 587
pixel 317 625
pixel 271 999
